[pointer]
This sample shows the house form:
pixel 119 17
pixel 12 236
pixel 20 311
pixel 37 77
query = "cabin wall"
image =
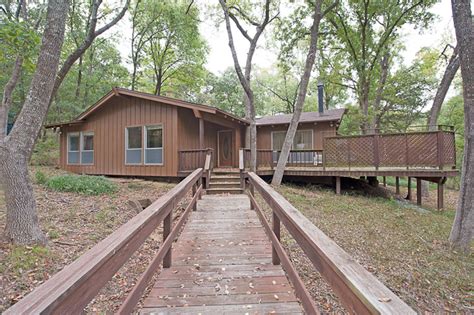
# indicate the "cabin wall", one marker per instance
pixel 108 124
pixel 320 130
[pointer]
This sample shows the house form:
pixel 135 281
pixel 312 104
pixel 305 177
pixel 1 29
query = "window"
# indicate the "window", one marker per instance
pixel 73 148
pixel 133 145
pixel 303 140
pixel 153 145
pixel 87 150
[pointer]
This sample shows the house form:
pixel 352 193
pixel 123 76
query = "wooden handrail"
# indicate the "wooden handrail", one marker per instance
pixel 359 291
pixel 71 289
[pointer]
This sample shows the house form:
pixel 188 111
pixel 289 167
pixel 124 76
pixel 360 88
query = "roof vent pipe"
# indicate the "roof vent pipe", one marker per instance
pixel 320 97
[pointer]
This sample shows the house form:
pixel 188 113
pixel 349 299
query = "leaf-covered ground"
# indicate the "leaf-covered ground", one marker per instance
pixel 74 223
pixel 402 245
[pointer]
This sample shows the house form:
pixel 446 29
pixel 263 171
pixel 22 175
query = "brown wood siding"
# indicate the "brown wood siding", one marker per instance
pixel 264 134
pixel 108 125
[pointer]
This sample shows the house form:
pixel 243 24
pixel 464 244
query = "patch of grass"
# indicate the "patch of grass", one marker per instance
pixel 82 184
pixel 53 234
pixel 40 177
pixel 137 186
pixel 23 258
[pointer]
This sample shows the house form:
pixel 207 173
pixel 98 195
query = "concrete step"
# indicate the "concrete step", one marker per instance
pixel 235 184
pixel 218 191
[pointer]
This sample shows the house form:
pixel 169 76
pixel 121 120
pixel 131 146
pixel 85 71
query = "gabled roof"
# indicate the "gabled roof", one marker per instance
pixel 306 117
pixel 160 99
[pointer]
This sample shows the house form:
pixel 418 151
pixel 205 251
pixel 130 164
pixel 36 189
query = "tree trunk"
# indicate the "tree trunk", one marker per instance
pixel 448 76
pixel 463 226
pixel 378 98
pixel 22 224
pixel 7 98
pixel 79 78
pixel 22 221
pixel 290 134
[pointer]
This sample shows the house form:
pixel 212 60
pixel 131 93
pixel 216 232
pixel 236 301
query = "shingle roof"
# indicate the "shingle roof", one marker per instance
pixel 328 115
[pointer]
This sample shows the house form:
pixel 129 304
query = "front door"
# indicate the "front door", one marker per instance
pixel 225 148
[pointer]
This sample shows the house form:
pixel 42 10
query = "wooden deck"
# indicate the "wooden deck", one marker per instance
pixel 222 263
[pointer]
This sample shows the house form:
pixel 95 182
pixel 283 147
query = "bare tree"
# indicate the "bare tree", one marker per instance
pixel 15 149
pixel 244 77
pixel 295 119
pixel 463 226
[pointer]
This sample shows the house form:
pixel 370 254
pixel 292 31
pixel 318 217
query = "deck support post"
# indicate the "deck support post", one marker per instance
pixel 201 133
pixel 385 181
pixel 397 185
pixel 409 189
pixel 441 193
pixel 338 185
pixel 418 191
pixel 276 230
pixel 167 222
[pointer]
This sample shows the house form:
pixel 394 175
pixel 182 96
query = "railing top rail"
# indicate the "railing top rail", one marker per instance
pixel 388 134
pixel 101 261
pixel 359 290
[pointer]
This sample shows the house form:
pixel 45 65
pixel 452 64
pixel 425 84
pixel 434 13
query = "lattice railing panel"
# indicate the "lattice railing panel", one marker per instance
pixel 361 151
pixel 449 149
pixel 422 149
pixel 392 150
pixel 336 152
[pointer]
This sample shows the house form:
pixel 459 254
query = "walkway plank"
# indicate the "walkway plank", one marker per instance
pixel 222 263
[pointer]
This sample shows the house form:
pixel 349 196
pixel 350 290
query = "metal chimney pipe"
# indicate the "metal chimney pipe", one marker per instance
pixel 320 97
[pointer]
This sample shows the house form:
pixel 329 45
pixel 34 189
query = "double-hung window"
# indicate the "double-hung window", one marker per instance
pixel 73 148
pixel 80 147
pixel 133 145
pixel 154 144
pixel 87 148
pixel 303 140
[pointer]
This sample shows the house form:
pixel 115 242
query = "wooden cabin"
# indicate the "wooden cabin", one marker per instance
pixel 130 133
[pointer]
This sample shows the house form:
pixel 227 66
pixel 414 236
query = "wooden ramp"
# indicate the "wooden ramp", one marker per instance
pixel 222 263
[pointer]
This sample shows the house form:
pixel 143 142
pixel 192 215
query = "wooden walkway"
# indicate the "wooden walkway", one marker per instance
pixel 222 263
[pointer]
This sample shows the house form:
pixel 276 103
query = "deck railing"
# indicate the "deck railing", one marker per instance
pixel 189 160
pixel 413 150
pixel 70 290
pixel 302 158
pixel 358 290
pixel 425 149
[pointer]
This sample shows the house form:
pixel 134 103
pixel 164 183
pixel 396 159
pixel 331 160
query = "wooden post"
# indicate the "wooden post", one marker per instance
pixel 376 151
pixel 385 181
pixel 276 230
pixel 338 185
pixel 441 194
pixel 252 192
pixel 194 192
pixel 166 231
pixel 409 188
pixel 397 185
pixel 418 191
pixel 201 133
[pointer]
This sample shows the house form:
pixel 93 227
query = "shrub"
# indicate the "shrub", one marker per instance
pixel 41 178
pixel 46 151
pixel 82 184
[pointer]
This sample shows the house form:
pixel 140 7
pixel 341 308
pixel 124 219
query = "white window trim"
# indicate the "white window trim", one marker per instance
pixel 87 133
pixel 69 134
pixel 285 131
pixel 134 149
pixel 145 146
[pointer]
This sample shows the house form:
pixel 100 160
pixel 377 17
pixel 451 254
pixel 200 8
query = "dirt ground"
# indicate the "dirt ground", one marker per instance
pixel 74 223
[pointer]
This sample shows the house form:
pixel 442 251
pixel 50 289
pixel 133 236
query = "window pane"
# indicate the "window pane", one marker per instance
pixel 154 137
pixel 134 137
pixel 88 142
pixel 87 157
pixel 73 157
pixel 133 156
pixel 73 142
pixel 154 156
pixel 278 139
pixel 303 140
